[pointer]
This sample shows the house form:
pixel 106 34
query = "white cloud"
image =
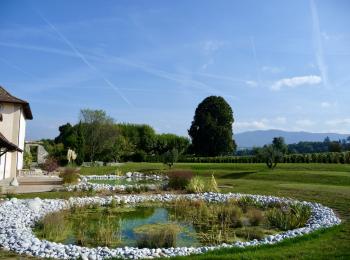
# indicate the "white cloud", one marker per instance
pixel 260 124
pixel 281 120
pixel 339 122
pixel 296 82
pixel 251 83
pixel 251 125
pixel 304 122
pixel 325 104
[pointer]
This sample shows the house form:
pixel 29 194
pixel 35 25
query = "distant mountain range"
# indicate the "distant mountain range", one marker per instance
pixel 262 137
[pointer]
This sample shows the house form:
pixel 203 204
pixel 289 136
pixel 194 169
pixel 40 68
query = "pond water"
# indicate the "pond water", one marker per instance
pixel 161 225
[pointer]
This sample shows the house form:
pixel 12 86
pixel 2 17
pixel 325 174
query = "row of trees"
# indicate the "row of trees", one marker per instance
pixel 327 157
pixel 98 138
pixel 309 147
pixel 320 147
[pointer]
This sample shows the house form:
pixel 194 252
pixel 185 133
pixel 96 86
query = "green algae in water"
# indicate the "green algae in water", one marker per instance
pixel 149 225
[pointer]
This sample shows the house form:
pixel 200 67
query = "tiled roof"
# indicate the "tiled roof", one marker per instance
pixel 10 147
pixel 8 98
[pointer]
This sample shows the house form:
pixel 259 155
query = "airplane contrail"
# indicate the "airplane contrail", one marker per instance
pixel 83 59
pixel 316 32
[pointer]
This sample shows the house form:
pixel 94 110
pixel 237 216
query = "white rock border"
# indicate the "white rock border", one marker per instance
pixel 17 217
pixel 85 185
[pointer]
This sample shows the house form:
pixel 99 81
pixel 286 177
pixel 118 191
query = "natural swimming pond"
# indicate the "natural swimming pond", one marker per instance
pixel 180 223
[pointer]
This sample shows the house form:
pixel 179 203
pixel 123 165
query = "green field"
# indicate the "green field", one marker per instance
pixel 328 184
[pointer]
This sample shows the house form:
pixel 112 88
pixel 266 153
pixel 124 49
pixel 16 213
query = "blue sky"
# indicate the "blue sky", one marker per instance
pixel 279 64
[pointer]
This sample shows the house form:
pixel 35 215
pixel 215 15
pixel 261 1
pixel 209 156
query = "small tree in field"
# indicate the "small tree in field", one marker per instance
pixel 273 153
pixel 170 157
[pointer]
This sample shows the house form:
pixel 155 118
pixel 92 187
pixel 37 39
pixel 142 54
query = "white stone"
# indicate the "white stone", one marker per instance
pixel 14 182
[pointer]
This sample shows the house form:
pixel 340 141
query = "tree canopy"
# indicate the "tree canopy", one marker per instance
pixel 211 129
pixel 97 137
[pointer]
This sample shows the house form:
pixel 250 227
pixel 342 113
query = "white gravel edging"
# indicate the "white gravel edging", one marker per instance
pixel 17 217
pixel 85 185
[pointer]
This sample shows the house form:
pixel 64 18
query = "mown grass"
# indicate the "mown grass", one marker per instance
pixel 328 184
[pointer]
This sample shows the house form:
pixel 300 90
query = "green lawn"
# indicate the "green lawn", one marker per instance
pixel 328 184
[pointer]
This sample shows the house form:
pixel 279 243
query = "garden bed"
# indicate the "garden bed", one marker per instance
pixel 18 217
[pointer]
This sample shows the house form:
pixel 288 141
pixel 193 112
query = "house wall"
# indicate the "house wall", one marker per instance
pixel 10 128
pixel 21 137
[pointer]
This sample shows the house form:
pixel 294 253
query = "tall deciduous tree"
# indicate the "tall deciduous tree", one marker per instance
pixel 211 129
pixel 99 131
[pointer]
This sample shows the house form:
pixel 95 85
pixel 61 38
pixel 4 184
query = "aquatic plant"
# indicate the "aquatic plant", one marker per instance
pixel 54 226
pixel 255 216
pixel 157 235
pixel 289 217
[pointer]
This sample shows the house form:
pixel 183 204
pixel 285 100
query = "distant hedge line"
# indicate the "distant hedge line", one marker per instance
pixel 330 157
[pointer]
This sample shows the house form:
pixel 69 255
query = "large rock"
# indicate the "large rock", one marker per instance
pixel 35 204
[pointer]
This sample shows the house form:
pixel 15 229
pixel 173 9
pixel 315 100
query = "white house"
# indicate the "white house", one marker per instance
pixel 13 115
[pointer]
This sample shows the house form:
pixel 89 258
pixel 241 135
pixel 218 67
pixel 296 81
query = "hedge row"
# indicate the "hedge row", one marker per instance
pixel 337 157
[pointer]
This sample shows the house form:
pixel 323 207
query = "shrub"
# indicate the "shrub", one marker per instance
pixel 212 186
pixel 28 159
pixel 170 157
pixel 113 203
pixel 50 165
pixel 179 180
pixel 139 156
pixel 196 185
pixel 69 175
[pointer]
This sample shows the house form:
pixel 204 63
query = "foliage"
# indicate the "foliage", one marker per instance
pixel 196 185
pixel 157 235
pixel 273 153
pixel 53 226
pixel 69 175
pixel 217 223
pixel 212 185
pixel 80 144
pixel 28 159
pixel 255 216
pixel 211 129
pixel 50 164
pixel 170 157
pixel 289 217
pixel 98 138
pixel 168 142
pixel 99 130
pixel 179 180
